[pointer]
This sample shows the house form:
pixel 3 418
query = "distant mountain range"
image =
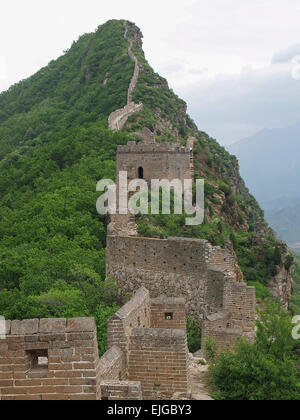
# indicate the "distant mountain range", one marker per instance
pixel 270 165
pixel 287 223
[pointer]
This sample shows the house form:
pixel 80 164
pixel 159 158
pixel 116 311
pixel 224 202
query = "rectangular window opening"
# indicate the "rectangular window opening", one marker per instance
pixel 38 359
pixel 169 316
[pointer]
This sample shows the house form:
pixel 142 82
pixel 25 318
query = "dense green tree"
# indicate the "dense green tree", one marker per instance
pixel 263 371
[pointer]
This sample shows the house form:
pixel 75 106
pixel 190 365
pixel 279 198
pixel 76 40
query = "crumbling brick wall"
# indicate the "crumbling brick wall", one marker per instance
pixel 135 314
pixel 70 356
pixel 112 365
pixel 237 317
pixel 239 300
pixel 158 358
pixel 218 326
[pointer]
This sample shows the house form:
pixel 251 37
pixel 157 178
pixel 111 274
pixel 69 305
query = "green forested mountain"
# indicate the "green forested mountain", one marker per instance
pixel 54 147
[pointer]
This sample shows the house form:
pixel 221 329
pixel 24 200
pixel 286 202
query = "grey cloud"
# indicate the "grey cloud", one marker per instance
pixel 171 68
pixel 231 108
pixel 285 56
pixel 196 71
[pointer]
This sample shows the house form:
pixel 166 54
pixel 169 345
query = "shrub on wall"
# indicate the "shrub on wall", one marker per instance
pixel 262 371
pixel 194 333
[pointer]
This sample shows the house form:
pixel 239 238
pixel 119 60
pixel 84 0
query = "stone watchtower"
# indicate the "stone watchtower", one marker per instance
pixel 150 160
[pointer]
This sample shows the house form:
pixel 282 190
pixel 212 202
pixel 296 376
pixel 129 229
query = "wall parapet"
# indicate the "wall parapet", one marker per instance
pixel 50 359
pixel 112 365
pixel 146 147
pixel 57 359
pixel 134 314
pixel 158 358
pixel 48 326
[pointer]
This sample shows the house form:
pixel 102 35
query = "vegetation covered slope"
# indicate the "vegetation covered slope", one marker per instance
pixel 295 302
pixel 55 146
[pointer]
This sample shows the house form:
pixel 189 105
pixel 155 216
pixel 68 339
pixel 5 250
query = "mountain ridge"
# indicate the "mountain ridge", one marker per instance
pixel 55 145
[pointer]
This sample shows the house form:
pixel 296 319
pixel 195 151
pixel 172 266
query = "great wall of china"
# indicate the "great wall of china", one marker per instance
pixel 118 118
pixel 208 277
pixel 147 357
pixel 57 359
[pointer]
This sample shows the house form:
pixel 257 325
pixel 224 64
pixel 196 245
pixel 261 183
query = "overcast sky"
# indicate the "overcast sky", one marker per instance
pixel 233 61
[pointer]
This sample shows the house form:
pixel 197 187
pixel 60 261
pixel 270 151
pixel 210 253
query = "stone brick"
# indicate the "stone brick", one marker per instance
pixel 26 327
pixel 121 390
pixel 81 325
pixel 53 325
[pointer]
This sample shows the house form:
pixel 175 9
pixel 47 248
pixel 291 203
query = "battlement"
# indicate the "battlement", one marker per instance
pixel 36 327
pixel 164 353
pixel 50 359
pixel 148 159
pixel 146 147
pixel 57 359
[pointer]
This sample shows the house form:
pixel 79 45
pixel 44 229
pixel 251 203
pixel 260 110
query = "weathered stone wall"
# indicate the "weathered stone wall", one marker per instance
pixel 168 313
pixel 158 160
pixel 72 352
pixel 136 72
pixel 135 314
pixel 174 267
pixel 220 259
pixel 57 359
pixel 237 317
pixel 207 277
pixel 218 327
pixel 148 337
pixel 118 118
pixel 112 365
pixel 158 358
pixel 121 390
pixel 240 301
